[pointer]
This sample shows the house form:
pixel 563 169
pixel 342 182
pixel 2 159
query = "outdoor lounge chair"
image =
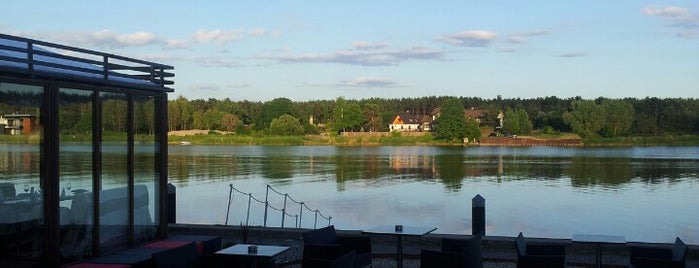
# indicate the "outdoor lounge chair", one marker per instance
pixel 180 257
pixel 659 257
pixel 540 256
pixel 436 259
pixel 346 260
pixel 454 253
pixel 324 243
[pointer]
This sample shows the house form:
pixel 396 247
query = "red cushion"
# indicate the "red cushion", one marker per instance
pixel 167 244
pixel 98 265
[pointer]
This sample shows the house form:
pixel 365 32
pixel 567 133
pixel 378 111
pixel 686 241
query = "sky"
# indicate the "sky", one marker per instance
pixel 322 50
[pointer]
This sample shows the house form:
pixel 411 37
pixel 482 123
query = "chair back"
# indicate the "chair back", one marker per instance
pixel 469 249
pixel 322 236
pixel 521 245
pixel 679 250
pixel 181 257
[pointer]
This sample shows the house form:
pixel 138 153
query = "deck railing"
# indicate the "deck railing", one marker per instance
pixel 39 58
pixel 283 210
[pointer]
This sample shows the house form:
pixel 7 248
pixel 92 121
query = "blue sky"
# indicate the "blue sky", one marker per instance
pixel 308 50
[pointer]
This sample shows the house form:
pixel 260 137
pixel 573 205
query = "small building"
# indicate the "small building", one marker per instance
pixel 17 124
pixel 104 191
pixel 406 123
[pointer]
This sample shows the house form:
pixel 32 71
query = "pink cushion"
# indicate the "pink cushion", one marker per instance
pixel 98 265
pixel 167 244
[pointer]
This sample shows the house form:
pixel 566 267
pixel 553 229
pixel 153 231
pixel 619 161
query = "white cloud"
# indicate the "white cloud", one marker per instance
pixel 178 44
pixel 679 18
pixel 473 38
pixel 367 45
pixel 572 55
pixel 667 11
pixel 219 36
pixel 523 37
pixel 224 37
pixel 362 54
pixel 370 82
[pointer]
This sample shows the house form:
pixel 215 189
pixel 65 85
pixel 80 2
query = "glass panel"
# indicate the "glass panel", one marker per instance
pixel 145 176
pixel 21 207
pixel 114 205
pixel 75 168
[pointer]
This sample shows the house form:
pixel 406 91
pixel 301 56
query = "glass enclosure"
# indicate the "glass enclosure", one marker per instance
pixel 83 153
pixel 21 195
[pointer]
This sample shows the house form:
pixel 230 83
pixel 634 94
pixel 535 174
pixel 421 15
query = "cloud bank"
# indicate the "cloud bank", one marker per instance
pixel 685 23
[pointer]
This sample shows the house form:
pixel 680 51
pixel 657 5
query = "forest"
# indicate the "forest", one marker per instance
pixel 601 117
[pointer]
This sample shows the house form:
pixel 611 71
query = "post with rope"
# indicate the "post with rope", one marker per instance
pixel 266 204
pixel 300 214
pixel 284 209
pixel 230 196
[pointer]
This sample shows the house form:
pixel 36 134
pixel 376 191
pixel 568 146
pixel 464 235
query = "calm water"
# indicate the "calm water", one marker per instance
pixel 643 193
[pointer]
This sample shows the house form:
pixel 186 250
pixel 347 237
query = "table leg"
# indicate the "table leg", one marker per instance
pixel 399 254
pixel 599 255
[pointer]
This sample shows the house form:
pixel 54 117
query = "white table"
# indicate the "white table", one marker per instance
pixel 406 231
pixel 598 240
pixel 263 251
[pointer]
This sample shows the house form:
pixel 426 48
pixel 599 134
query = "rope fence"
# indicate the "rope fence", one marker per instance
pixel 283 210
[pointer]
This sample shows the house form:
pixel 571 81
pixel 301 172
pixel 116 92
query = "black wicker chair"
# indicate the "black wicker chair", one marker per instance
pixel 324 243
pixel 541 256
pixel 642 257
pixel 464 253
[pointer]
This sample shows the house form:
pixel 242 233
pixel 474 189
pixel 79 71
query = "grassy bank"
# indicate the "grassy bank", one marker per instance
pixel 231 139
pixel 684 140
pixel 392 140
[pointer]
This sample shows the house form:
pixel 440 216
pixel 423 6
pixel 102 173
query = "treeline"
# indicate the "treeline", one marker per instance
pixel 599 117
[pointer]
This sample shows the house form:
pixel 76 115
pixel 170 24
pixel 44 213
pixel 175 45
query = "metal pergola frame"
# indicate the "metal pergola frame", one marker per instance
pixel 32 62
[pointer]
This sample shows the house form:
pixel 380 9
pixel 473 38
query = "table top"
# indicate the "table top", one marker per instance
pixel 262 250
pixel 407 230
pixel 591 238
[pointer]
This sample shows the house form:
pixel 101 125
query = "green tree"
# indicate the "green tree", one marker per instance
pixel 517 122
pixel 510 124
pixel 273 109
pixel 347 116
pixel 230 122
pixel 451 123
pixel 619 117
pixel 586 118
pixel 473 131
pixel 371 113
pixel 286 125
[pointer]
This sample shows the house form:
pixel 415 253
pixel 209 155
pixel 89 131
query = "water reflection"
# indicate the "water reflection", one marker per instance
pixel 546 191
pixel 450 166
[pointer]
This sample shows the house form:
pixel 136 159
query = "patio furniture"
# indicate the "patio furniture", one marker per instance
pixel 454 253
pixel 659 257
pixel 179 257
pixel 540 256
pixel 469 249
pixel 399 231
pixel 346 260
pixel 324 243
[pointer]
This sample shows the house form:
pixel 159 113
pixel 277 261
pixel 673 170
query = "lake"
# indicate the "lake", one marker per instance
pixel 647 194
pixel 644 193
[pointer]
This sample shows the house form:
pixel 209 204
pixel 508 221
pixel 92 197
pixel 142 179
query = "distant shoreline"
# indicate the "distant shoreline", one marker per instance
pixel 391 139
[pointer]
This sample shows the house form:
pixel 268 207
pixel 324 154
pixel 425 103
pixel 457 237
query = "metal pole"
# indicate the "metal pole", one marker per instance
pixel 315 223
pixel 247 217
pixel 284 209
pixel 478 215
pixel 230 195
pixel 300 215
pixel 266 204
pixel 329 218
